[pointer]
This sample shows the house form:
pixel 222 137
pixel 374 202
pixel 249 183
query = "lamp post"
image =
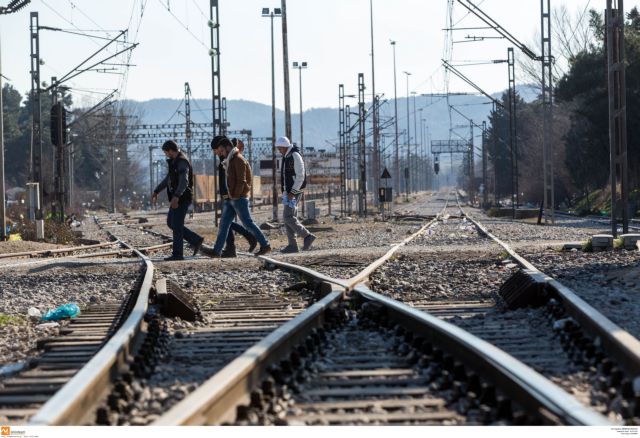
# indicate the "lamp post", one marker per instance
pixel 300 66
pixel 406 174
pixel 271 13
pixel 395 103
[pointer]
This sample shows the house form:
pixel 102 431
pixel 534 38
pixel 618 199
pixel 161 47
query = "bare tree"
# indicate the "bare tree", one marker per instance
pixel 572 34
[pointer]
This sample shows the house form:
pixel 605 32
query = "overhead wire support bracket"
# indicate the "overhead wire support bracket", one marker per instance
pixel 475 10
pixel 471 83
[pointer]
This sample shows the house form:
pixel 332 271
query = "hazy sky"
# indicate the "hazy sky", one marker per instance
pixel 333 36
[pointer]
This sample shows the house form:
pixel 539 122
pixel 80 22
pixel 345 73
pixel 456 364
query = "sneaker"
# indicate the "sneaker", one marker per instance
pixel 308 241
pixel 290 249
pixel 197 246
pixel 263 250
pixel 253 242
pixel 229 253
pixel 173 258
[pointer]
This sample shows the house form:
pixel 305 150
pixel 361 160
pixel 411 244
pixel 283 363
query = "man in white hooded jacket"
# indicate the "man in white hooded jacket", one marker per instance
pixel 293 180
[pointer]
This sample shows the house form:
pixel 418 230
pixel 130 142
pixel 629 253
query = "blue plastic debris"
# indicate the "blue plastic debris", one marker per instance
pixel 65 311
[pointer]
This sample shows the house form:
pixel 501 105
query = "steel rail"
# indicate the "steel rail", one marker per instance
pixel 68 405
pixel 521 383
pixel 214 402
pixel 46 252
pixel 619 343
pixel 599 220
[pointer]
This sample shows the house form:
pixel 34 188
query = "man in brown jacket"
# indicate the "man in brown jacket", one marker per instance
pixel 239 179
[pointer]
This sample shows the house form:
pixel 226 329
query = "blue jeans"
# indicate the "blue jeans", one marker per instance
pixel 229 210
pixel 226 219
pixel 241 207
pixel 175 221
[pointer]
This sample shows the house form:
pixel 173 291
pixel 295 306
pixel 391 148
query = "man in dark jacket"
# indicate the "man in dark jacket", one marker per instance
pixel 293 180
pixel 239 181
pixel 179 185
pixel 230 248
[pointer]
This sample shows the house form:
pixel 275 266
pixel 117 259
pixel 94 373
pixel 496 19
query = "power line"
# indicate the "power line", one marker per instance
pixel 184 25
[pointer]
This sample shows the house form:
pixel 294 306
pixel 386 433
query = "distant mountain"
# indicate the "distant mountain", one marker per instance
pixel 321 124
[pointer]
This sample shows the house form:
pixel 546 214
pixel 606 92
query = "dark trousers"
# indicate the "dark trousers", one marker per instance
pixel 237 228
pixel 175 221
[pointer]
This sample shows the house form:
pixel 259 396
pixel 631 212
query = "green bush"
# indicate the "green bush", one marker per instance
pixel 588 246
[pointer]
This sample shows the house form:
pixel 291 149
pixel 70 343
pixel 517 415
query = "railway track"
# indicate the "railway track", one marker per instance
pixel 545 326
pixel 67 374
pixel 298 386
pixel 408 366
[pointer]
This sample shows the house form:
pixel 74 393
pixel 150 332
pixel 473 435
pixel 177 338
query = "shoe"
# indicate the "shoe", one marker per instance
pixel 208 251
pixel 263 250
pixel 290 249
pixel 197 246
pixel 173 258
pixel 308 241
pixel 229 253
pixel 253 242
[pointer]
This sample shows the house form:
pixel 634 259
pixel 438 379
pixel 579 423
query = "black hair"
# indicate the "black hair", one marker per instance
pixel 170 145
pixel 220 141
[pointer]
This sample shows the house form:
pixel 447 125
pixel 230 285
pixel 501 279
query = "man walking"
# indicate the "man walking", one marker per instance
pixel 179 185
pixel 293 180
pixel 238 182
pixel 230 248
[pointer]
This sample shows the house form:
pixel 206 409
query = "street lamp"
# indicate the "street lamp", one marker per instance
pixel 300 66
pixel 395 102
pixel 271 13
pixel 406 174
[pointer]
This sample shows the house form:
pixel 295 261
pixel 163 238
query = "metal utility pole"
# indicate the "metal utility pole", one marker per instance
pixel 3 217
pixel 187 131
pixel 513 148
pixel 547 104
pixel 342 150
pixel 421 169
pixel 406 170
pixel 113 176
pixel 396 177
pixel 472 173
pixel 617 115
pixel 485 192
pixel 36 119
pixel 546 58
pixel 415 145
pixel 376 135
pixel 276 12
pixel 362 152
pixel 57 131
pixel 216 94
pixel 285 61
pixel 224 124
pixel 377 155
pixel 348 162
pixel 151 187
